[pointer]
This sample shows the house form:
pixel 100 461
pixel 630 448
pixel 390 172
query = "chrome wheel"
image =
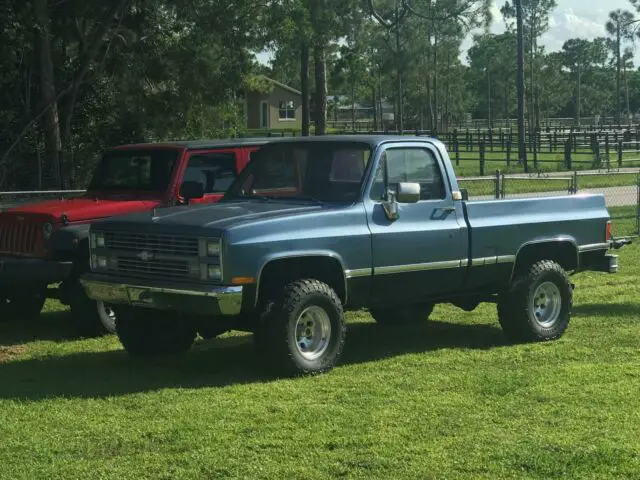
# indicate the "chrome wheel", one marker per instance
pixel 313 332
pixel 107 316
pixel 546 304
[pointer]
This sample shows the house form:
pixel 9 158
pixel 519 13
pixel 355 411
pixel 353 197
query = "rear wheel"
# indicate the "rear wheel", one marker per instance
pixel 538 305
pixel 146 332
pixel 402 315
pixel 24 305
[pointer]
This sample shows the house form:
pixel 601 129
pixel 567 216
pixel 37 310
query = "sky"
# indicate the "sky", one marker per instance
pixel 571 19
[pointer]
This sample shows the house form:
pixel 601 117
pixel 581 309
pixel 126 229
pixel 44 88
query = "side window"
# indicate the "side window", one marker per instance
pixel 416 165
pixel 216 171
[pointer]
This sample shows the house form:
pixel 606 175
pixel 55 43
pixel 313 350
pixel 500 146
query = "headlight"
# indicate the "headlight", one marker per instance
pixel 98 262
pixel 97 240
pixel 213 248
pixel 47 229
pixel 210 272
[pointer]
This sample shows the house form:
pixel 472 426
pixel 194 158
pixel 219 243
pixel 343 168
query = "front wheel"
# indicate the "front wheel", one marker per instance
pixel 538 305
pixel 303 331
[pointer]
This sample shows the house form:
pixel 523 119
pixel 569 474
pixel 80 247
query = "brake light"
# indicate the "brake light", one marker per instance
pixel 608 233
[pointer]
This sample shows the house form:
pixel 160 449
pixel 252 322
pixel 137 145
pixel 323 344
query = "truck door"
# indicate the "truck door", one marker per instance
pixel 420 254
pixel 215 169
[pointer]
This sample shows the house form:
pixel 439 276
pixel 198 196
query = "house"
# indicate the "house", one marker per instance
pixel 281 108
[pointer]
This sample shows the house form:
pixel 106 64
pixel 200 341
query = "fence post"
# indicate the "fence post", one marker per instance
pixel 508 153
pixel 575 182
pixel 498 189
pixel 567 153
pixel 606 149
pixel 535 150
pixel 620 154
pixel 481 158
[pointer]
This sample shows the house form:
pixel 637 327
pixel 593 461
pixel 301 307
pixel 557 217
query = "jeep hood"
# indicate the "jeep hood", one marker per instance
pixel 83 209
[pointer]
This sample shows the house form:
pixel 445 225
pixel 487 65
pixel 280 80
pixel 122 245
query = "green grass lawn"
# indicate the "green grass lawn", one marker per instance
pixel 445 399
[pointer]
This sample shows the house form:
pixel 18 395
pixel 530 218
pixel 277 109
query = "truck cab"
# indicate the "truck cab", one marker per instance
pixel 46 243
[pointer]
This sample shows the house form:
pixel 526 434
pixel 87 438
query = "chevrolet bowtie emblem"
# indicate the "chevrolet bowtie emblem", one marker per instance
pixel 146 256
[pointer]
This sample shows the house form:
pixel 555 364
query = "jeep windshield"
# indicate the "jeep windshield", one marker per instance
pixel 315 171
pixel 144 170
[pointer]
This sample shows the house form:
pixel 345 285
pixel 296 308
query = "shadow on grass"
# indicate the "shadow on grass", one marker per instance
pixel 50 326
pixel 607 310
pixel 217 363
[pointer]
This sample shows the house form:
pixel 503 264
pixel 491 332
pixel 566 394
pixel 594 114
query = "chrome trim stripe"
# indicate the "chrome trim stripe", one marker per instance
pixel 506 259
pixel 357 272
pixel 464 262
pixel 593 246
pixel 479 262
pixel 417 267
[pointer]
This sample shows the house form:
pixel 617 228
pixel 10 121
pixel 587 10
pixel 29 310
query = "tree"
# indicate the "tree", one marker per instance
pixel 619 27
pixel 535 19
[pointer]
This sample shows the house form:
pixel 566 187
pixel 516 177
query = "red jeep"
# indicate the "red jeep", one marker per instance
pixel 46 243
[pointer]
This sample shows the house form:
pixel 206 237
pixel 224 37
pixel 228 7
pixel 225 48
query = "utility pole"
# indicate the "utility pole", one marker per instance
pixel 522 151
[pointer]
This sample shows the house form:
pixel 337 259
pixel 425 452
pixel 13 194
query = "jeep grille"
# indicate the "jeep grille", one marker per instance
pixel 20 237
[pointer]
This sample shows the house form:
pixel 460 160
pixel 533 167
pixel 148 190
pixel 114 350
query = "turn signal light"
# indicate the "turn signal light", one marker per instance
pixel 608 234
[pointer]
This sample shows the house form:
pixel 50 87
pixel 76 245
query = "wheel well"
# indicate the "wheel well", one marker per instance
pixel 277 273
pixel 564 253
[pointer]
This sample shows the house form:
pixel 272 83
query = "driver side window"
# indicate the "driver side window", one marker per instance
pixel 415 165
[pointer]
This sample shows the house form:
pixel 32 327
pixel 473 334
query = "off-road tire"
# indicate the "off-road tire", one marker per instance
pixel 404 315
pixel 89 316
pixel 24 306
pixel 276 335
pixel 147 332
pixel 517 306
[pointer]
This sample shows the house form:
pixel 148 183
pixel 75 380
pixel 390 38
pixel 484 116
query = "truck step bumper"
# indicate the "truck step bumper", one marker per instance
pixel 222 300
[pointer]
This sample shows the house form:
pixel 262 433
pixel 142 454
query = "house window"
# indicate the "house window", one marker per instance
pixel 287 110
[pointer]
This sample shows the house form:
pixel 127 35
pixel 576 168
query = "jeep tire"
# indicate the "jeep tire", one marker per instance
pixel 537 307
pixel 302 330
pixel 24 305
pixel 146 332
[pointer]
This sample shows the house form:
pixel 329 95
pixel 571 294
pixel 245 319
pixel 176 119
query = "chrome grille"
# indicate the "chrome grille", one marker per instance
pixel 19 237
pixel 156 243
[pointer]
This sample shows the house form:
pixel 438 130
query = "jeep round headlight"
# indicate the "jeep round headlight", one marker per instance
pixel 47 229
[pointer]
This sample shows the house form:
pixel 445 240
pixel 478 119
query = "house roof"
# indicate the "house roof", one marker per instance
pixel 281 85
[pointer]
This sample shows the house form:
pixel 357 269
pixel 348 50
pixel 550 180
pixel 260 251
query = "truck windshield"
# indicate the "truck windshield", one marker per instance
pixel 140 170
pixel 320 171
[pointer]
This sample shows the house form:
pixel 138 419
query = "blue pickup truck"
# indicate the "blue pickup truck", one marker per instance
pixel 316 226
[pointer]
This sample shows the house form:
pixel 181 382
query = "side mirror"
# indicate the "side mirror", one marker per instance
pixel 190 190
pixel 408 192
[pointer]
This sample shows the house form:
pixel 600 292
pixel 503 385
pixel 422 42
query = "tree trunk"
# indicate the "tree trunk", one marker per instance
pixel 304 81
pixel 321 89
pixel 53 144
pixel 375 107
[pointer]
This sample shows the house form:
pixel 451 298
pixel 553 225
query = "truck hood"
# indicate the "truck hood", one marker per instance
pixel 218 216
pixel 85 208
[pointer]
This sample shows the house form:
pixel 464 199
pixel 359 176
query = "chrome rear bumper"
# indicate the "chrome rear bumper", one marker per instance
pixel 221 300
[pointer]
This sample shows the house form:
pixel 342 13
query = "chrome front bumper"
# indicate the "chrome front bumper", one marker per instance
pixel 222 300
